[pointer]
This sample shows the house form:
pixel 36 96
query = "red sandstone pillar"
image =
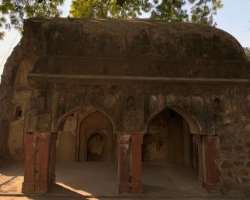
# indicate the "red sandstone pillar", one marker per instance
pixel 52 159
pixel 38 172
pixel 129 163
pixel 201 169
pixel 29 170
pixel 123 163
pixel 211 155
pixel 136 162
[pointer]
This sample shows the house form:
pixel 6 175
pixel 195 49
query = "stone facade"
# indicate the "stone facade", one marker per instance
pixel 107 80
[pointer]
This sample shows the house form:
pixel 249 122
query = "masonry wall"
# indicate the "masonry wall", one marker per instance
pixel 220 109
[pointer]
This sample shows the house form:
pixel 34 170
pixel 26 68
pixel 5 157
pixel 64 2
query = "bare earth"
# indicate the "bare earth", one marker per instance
pixel 98 181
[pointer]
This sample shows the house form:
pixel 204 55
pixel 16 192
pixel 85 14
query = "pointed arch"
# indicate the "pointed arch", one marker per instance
pixel 86 113
pixel 193 123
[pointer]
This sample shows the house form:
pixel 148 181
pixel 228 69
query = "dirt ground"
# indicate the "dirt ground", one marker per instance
pixel 98 181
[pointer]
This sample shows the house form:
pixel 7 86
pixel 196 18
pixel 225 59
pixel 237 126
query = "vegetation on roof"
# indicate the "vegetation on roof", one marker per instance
pixel 13 12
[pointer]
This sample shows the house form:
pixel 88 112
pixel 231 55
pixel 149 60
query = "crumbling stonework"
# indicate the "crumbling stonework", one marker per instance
pixel 64 71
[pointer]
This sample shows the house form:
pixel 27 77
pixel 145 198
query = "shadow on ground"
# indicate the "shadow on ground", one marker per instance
pixel 98 181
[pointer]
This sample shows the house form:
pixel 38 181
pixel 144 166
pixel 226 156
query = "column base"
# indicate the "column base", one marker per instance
pixel 137 187
pixel 124 188
pixel 35 188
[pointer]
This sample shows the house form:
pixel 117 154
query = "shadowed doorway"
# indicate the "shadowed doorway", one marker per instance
pixel 170 155
pixel 86 154
pixel 96 138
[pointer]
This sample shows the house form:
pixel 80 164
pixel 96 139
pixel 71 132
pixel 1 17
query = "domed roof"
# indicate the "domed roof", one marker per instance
pixel 137 47
pixel 113 38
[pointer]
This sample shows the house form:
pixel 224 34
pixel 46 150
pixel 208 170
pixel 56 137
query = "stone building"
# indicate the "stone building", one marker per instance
pixel 129 92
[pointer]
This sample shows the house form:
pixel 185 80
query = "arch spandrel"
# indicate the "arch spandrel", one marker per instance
pixel 193 123
pixel 82 114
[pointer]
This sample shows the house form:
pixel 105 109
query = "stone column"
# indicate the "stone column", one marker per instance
pixel 136 162
pixel 52 159
pixel 201 164
pixel 211 155
pixel 39 154
pixel 129 163
pixel 123 163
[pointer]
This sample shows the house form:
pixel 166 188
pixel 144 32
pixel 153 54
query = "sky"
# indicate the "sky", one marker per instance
pixel 234 18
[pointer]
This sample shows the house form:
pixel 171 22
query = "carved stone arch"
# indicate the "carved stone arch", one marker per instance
pixel 93 110
pixel 193 123
pixel 109 139
pixel 61 120
pixel 86 113
pixel 81 114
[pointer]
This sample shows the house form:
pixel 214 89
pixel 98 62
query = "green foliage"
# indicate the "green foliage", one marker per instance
pixel 108 8
pixel 198 11
pixel 204 10
pixel 170 10
pixel 13 12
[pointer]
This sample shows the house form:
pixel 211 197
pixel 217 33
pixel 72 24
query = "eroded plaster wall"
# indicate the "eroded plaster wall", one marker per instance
pixel 168 140
pixel 66 141
pixel 222 112
pixel 22 93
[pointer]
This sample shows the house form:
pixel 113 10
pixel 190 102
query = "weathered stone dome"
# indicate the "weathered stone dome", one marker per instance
pixel 133 47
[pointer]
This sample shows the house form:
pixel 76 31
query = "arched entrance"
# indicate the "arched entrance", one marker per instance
pixel 174 158
pixel 86 138
pixel 170 154
pixel 86 153
pixel 96 138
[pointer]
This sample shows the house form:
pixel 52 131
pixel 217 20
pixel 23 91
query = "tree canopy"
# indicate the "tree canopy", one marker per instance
pixel 13 12
pixel 199 11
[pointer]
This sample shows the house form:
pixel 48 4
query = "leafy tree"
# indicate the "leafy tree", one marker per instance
pixel 198 11
pixel 13 12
